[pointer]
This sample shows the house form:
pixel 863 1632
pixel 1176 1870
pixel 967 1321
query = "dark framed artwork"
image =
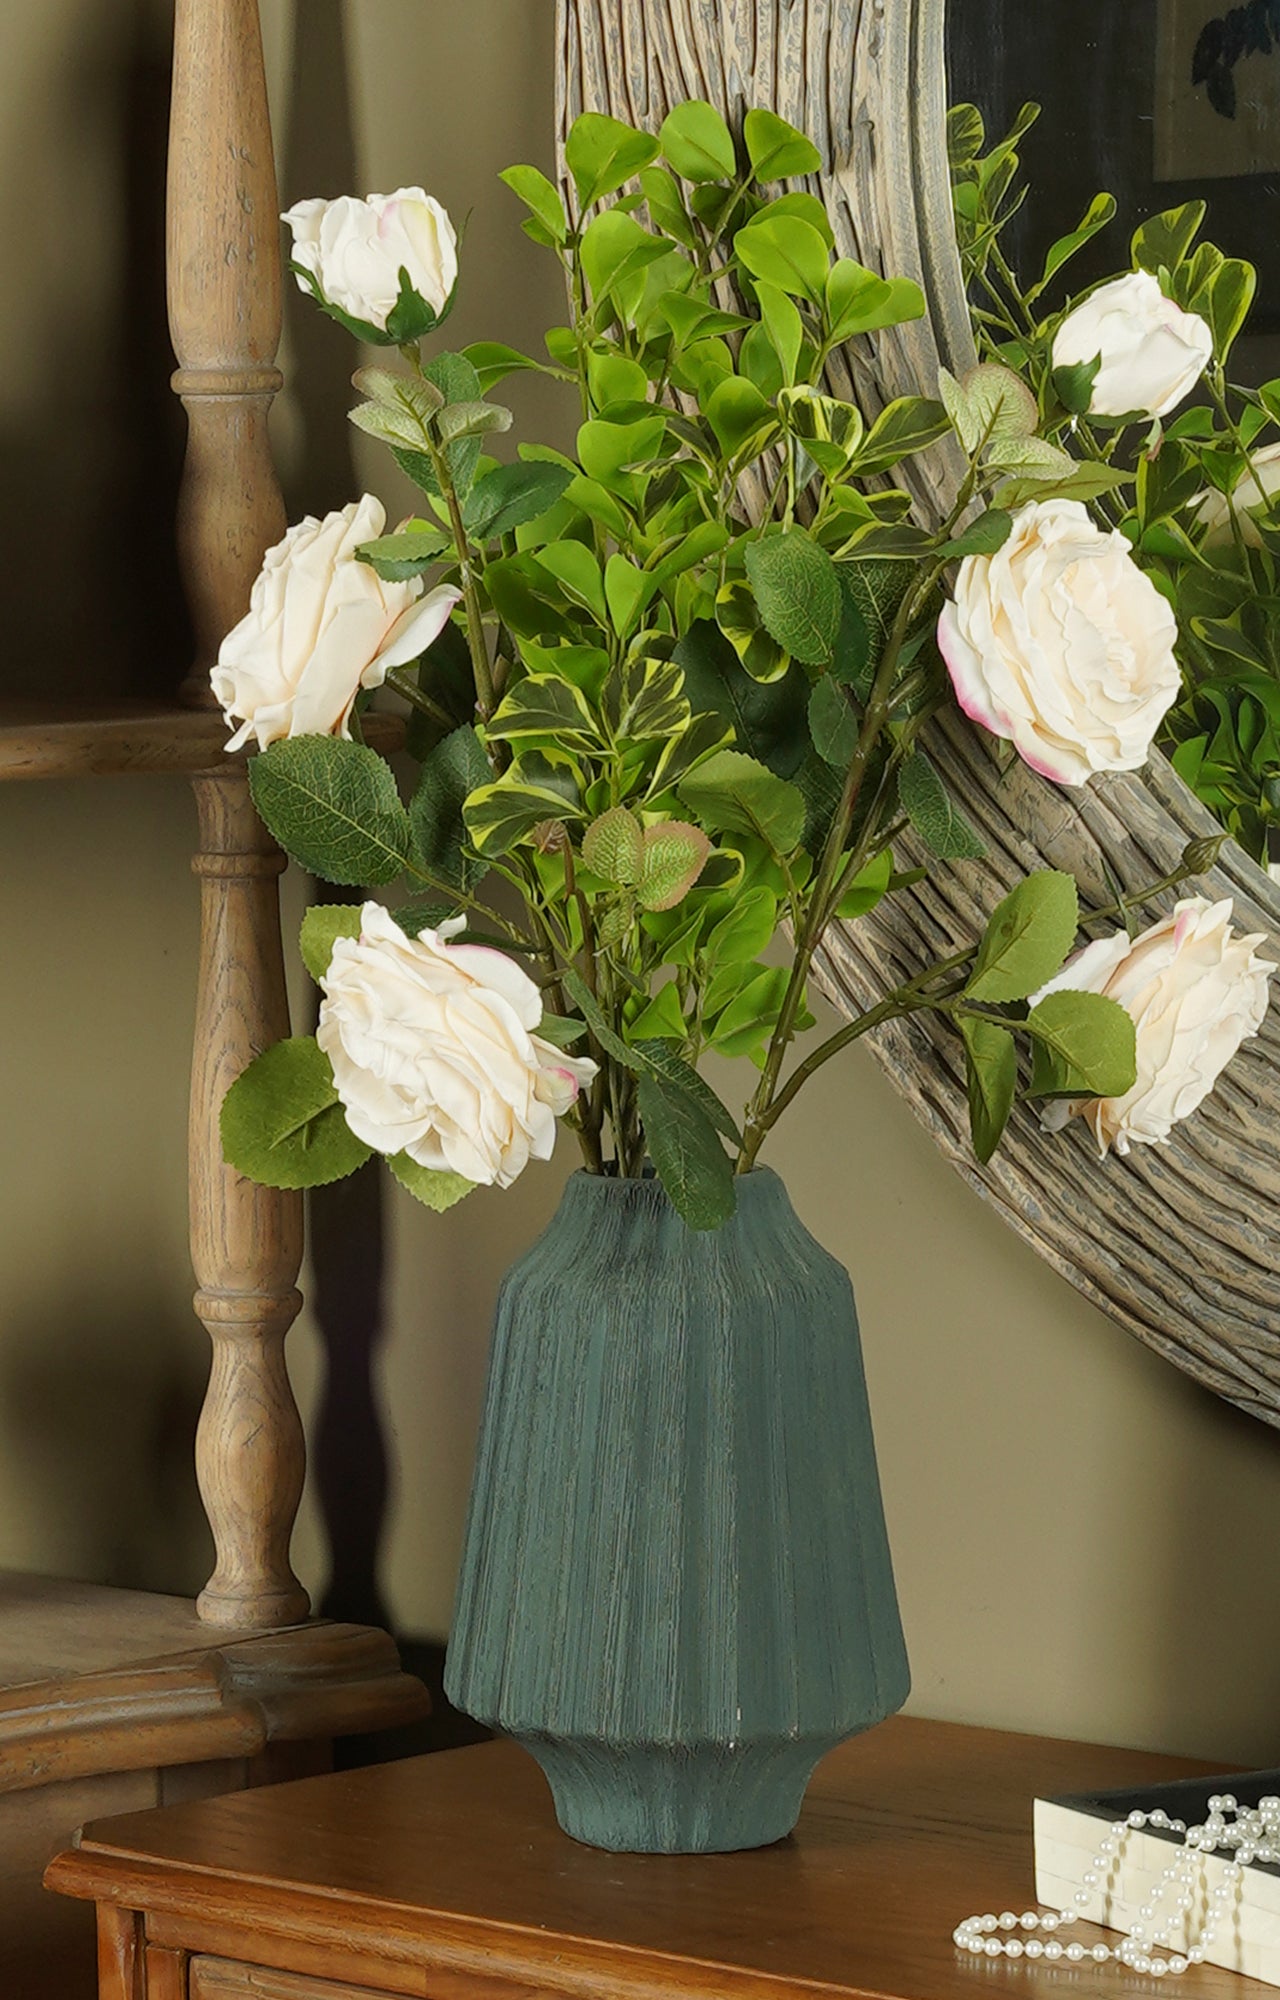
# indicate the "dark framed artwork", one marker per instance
pixel 1157 101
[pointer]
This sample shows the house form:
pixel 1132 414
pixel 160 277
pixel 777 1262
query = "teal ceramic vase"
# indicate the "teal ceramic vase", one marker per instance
pixel 676 1589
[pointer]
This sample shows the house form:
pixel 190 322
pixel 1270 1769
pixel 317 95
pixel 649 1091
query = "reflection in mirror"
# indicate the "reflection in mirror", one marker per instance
pixel 1169 108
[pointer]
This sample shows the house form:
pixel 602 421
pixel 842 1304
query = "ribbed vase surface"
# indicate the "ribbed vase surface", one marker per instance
pixel 676 1589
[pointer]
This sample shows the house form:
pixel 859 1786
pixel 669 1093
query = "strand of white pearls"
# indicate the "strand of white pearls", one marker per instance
pixel 1246 1833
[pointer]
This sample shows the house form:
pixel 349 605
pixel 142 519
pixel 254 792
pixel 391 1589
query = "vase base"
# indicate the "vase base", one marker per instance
pixel 676 1799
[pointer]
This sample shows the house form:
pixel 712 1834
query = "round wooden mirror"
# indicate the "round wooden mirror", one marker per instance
pixel 1177 1242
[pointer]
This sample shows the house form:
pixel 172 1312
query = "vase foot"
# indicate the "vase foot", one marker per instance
pixel 677 1799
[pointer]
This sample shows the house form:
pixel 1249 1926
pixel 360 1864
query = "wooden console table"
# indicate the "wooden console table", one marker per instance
pixel 446 1878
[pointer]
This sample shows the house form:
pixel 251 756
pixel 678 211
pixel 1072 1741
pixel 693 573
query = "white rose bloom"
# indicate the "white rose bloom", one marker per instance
pixel 355 250
pixel 1060 644
pixel 1195 991
pixel 321 626
pixel 1248 495
pixel 1152 352
pixel 433 1051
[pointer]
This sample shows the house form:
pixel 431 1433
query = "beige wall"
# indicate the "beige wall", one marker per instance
pixel 1083 1540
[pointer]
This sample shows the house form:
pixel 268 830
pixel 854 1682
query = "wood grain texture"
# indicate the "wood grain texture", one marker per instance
pixel 224 312
pixel 197 1703
pixel 127 738
pixel 166 1973
pixel 223 262
pixel 447 1876
pixel 216 1979
pixel 1178 1241
pixel 120 1948
pixel 246 1240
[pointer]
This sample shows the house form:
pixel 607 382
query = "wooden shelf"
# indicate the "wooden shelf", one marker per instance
pixel 107 739
pixel 95 1680
pixel 448 1875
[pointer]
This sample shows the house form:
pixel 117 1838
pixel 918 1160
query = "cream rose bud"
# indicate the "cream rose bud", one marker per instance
pixel 1248 496
pixel 1195 991
pixel 320 626
pixel 355 250
pixel 1152 352
pixel 434 1054
pixel 1060 644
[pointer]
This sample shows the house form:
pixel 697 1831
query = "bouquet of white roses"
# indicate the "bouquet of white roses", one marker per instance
pixel 669 695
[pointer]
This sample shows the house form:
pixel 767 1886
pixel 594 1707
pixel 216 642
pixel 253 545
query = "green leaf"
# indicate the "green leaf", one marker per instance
pixel 644 701
pixel 738 414
pixel 666 206
pixel 798 591
pixel 982 537
pixel 322 925
pixel 538 194
pixel 833 725
pixel 767 717
pixel 613 847
pixel 493 361
pixel 1164 241
pixel 532 790
pixel 857 301
pixel 614 247
pixel 471 420
pixel 455 768
pixel 627 590
pixel 905 426
pixel 542 705
pixel 1073 385
pixel 698 143
pixel 561 1030
pixel 662 1060
pixel 1230 298
pixel 601 153
pixel 504 499
pixel 427 913
pixel 610 451
pixel 1093 1040
pixel 282 1124
pixel 738 616
pixel 662 1019
pixel 674 855
pixel 783 325
pixel 786 252
pixel 744 932
pixel 1027 938
pixel 396 558
pixel 333 806
pixel 991 407
pixel 731 793
pixel 746 1023
pixel 1099 213
pixel 576 570
pixel 690 1161
pixel 432 1186
pixel 867 888
pixel 934 813
pixel 776 150
pixel 992 1066
pixel 693 319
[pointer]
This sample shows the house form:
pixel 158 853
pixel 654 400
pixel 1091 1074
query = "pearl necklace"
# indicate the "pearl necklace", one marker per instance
pixel 1248 1833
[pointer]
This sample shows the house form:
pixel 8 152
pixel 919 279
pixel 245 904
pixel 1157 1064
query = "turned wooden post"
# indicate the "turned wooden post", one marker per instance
pixel 224 316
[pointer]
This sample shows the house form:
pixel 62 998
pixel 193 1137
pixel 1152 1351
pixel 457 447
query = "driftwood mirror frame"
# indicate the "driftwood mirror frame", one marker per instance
pixel 1177 1242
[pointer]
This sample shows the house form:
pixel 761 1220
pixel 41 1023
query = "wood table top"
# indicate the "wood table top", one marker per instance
pixel 454 1862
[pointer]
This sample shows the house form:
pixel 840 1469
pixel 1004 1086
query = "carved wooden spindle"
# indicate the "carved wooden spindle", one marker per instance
pixel 224 314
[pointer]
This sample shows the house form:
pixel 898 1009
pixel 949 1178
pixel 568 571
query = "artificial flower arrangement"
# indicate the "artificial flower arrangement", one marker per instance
pixel 1193 486
pixel 669 694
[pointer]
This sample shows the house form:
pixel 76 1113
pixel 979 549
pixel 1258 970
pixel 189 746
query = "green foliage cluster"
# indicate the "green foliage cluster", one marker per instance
pixel 681 703
pixel 1168 486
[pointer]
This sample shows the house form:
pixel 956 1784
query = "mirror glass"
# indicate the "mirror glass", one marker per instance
pixel 1159 104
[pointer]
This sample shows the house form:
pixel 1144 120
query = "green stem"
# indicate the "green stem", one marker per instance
pixel 397 678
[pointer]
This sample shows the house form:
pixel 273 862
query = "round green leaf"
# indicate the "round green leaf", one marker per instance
pixel 698 143
pixel 322 926
pixel 786 252
pixel 776 150
pixel 282 1124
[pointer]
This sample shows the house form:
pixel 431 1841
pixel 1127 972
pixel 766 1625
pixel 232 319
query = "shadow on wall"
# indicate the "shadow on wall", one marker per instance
pixel 97 450
pixel 125 1422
